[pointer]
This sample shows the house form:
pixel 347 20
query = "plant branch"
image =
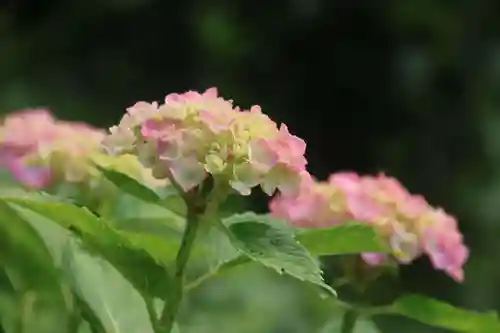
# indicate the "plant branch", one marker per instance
pixel 75 318
pixel 200 209
pixel 186 196
pixel 349 321
pixel 153 316
pixel 365 311
pixel 173 301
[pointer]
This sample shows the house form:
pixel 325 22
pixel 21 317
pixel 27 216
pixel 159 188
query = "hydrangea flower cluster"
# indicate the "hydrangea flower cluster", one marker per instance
pixel 39 150
pixel 194 135
pixel 409 223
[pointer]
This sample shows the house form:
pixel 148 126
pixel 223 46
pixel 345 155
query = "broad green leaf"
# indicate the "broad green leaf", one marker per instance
pixel 262 218
pixel 55 238
pixel 84 328
pixel 19 240
pixel 171 199
pixel 155 203
pixel 143 262
pixel 135 207
pixel 212 252
pixel 53 235
pixel 129 213
pixel 363 325
pixel 273 247
pixel 234 204
pixel 211 248
pixel 164 249
pixel 130 185
pixel 18 192
pixel 9 307
pixel 347 238
pixel 29 267
pixel 436 313
pixel 119 307
pixel 87 314
pixel 166 196
pixel 160 217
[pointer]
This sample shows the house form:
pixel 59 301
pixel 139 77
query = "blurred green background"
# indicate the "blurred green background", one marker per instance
pixel 409 87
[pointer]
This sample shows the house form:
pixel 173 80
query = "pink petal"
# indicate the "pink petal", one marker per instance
pixel 187 172
pixel 374 259
pixel 33 177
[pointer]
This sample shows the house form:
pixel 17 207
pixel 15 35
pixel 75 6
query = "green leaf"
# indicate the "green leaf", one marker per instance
pixel 212 253
pixel 84 328
pixel 89 318
pixel 129 185
pixel 160 217
pixel 17 192
pixel 363 325
pixel 119 307
pixel 440 314
pixel 53 235
pixel 19 240
pixel 176 329
pixel 135 206
pixel 171 199
pixel 262 218
pixel 129 213
pixel 234 204
pixel 29 267
pixel 166 196
pixel 143 262
pixel 260 238
pixel 9 309
pixel 347 238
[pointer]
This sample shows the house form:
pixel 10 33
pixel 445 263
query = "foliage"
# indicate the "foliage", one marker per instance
pixel 108 279
pixel 115 233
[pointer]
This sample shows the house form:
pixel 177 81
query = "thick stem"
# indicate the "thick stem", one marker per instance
pixel 349 321
pixel 173 301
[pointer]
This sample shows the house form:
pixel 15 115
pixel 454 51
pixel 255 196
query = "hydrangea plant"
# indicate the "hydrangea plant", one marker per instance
pixel 173 166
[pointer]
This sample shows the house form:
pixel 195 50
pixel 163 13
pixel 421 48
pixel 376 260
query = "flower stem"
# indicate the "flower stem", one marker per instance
pixel 349 321
pixel 173 301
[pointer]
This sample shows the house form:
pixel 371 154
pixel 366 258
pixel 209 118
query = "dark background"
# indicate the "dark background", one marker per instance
pixel 409 87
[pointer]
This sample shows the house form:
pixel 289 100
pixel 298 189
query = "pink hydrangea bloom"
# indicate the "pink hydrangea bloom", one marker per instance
pixel 411 226
pixel 193 135
pixel 39 150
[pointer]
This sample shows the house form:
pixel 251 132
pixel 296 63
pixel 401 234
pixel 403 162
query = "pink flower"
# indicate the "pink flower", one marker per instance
pixel 374 259
pixel 22 131
pixel 360 204
pixel 443 243
pixel 408 223
pixel 315 205
pixel 32 176
pixel 194 135
pixel 40 150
